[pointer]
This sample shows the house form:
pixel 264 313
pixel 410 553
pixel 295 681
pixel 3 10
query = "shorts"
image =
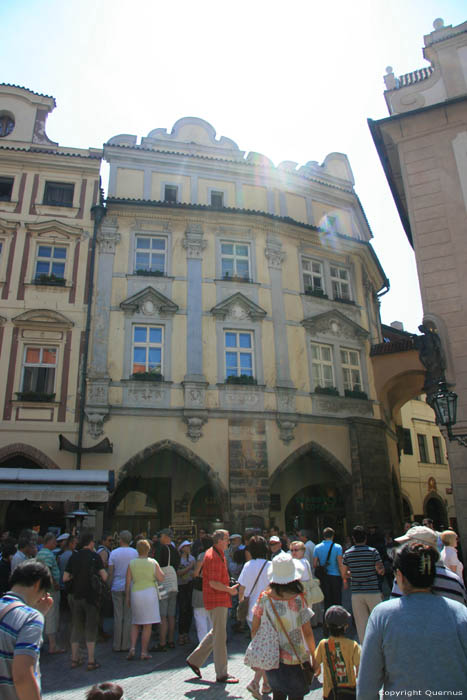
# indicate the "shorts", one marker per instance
pixel 168 605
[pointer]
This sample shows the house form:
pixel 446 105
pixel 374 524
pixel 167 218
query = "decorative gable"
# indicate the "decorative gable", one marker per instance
pixel 149 302
pixel 42 318
pixel 55 229
pixel 334 323
pixel 238 308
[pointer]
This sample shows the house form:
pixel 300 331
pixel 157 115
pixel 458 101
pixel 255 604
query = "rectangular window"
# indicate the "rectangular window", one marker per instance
pixel 171 193
pixel 350 361
pixel 321 366
pixel 422 448
pixel 39 370
pixel 235 260
pixel 6 188
pixel 50 260
pixel 59 194
pixel 150 254
pixel 147 349
pixel 437 450
pixel 312 275
pixel 407 441
pixel 217 199
pixel 238 354
pixel 340 282
pixel 330 224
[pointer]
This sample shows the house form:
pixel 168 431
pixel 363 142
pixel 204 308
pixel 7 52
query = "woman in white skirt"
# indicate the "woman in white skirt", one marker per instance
pixel 142 576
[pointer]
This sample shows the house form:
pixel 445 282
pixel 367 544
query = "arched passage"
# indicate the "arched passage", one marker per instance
pixel 434 508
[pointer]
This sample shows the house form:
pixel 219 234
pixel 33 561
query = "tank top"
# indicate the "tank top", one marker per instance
pixel 143 573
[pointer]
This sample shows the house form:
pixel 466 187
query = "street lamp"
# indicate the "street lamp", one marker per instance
pixel 444 404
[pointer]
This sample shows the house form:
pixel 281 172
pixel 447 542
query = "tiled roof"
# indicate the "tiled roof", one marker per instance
pixel 21 87
pixel 415 76
pixel 32 149
pixel 392 347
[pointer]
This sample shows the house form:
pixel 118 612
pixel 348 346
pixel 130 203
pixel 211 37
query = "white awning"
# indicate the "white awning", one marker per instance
pixel 91 485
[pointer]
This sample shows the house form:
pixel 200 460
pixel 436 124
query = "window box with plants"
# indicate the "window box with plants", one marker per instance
pixel 241 379
pixel 38 396
pixel 327 390
pixel 50 280
pixel 235 278
pixel 343 300
pixel 149 273
pixel 309 291
pixel 147 377
pixel 356 394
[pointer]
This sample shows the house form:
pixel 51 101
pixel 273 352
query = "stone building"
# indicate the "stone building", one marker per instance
pixel 423 150
pixel 236 304
pixel 46 194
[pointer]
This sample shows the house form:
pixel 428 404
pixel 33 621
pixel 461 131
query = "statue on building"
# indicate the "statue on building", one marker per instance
pixel 431 356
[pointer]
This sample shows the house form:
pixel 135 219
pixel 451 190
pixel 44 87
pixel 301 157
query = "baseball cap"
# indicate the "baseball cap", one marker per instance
pixel 419 533
pixel 274 538
pixel 338 616
pixel 65 536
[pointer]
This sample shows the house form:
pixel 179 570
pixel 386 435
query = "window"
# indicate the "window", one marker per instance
pixel 217 199
pixel 171 193
pixel 351 370
pixel 407 441
pixel 321 366
pixel 39 370
pixel 238 354
pixel 235 260
pixel 147 349
pixel 7 124
pixel 330 224
pixel 6 188
pixel 59 194
pixel 150 254
pixel 422 448
pixel 340 282
pixel 312 276
pixel 437 450
pixel 50 260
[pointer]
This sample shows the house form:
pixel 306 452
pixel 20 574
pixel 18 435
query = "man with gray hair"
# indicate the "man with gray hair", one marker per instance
pixel 119 560
pixel 305 537
pixel 26 549
pixel 217 594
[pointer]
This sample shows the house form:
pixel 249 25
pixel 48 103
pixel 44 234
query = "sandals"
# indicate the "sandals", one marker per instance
pixel 93 666
pixel 253 688
pixel 57 651
pixel 160 648
pixel 75 663
pixel 145 657
pixel 171 645
pixel 131 654
pixel 266 689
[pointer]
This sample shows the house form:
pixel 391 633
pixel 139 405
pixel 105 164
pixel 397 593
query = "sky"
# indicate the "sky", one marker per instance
pixel 294 81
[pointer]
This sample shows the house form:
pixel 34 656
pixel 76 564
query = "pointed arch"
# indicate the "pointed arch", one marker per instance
pixel 319 451
pixel 21 449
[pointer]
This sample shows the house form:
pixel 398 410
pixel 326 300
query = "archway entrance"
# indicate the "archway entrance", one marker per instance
pixel 434 509
pixel 315 507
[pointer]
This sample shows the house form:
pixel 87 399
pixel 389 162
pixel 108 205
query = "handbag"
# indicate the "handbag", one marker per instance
pixel 316 594
pixel 162 592
pixel 337 693
pixel 170 577
pixel 306 667
pixel 243 606
pixel 321 571
pixel 198 580
pixel 263 650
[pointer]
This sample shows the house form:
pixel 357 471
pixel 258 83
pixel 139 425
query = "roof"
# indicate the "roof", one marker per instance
pixel 393 346
pixel 35 149
pixel 21 87
pixel 415 76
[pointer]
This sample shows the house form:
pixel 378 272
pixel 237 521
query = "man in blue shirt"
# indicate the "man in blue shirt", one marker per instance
pixel 331 584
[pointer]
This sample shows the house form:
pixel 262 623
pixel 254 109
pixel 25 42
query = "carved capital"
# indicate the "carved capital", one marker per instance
pixel 108 236
pixel 194 425
pixel 287 426
pixel 194 242
pixel 275 257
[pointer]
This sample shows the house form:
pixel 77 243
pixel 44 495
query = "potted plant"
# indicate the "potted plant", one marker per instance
pixel 330 390
pixel 151 376
pixel 53 280
pixel 241 379
pixel 356 394
pixel 41 396
pixel 149 273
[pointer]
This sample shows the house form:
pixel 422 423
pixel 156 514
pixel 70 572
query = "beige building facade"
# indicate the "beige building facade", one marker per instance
pixel 423 149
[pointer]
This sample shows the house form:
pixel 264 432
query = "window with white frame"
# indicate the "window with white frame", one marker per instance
pixel 147 351
pixel 171 193
pixel 322 369
pixel 239 353
pixel 38 373
pixel 350 361
pixel 340 282
pixel 150 254
pixel 313 280
pixel 50 260
pixel 235 260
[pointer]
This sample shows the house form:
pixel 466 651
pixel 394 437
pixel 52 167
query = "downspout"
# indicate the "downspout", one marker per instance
pixel 98 211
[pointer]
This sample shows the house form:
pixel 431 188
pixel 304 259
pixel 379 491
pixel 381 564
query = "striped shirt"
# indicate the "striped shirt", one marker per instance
pixel 446 583
pixel 361 560
pixel 47 557
pixel 20 633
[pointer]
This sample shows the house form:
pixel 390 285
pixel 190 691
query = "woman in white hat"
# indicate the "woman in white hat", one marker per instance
pixel 185 589
pixel 288 611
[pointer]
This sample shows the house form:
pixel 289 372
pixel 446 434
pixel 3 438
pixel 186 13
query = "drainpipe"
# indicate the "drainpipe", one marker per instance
pixel 98 211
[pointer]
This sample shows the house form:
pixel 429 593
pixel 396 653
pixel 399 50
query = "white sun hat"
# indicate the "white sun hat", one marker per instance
pixel 284 569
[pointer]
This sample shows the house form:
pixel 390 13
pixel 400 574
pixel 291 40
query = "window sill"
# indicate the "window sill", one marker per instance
pixel 347 302
pixel 134 275
pixel 56 210
pixel 8 204
pixel 23 402
pixel 33 283
pixel 146 382
pixel 328 404
pixel 237 280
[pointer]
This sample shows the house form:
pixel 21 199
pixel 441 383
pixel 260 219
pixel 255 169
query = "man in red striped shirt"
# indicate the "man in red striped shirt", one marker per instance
pixel 217 597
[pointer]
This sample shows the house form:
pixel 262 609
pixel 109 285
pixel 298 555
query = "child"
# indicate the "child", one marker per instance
pixel 344 654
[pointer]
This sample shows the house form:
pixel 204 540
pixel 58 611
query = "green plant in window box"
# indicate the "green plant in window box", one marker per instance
pixel 50 280
pixel 152 376
pixel 235 278
pixel 315 292
pixel 35 396
pixel 241 379
pixel 149 273
pixel 330 390
pixel 356 394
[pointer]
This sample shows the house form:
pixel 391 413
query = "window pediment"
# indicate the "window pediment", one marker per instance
pixel 41 318
pixel 238 308
pixel 150 302
pixel 334 323
pixel 7 226
pixel 56 229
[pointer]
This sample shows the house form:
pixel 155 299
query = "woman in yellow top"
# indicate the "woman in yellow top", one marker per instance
pixel 142 576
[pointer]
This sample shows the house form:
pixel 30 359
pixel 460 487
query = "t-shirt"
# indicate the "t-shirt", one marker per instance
pixel 20 633
pixel 248 577
pixel 446 583
pixel 119 559
pixel 143 573
pixel 63 560
pixel 197 596
pixel 18 558
pixel 47 557
pixel 321 552
pixel 361 561
pixel 345 655
pixel 309 551
pixel 184 562
pixel 81 566
pixel 215 569
pixel 449 558
pixel 293 613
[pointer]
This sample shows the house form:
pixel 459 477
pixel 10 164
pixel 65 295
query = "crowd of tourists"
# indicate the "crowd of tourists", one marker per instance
pixel 280 587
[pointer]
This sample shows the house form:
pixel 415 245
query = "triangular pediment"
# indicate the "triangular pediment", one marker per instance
pixel 334 323
pixel 238 308
pixel 149 301
pixel 56 228
pixel 40 318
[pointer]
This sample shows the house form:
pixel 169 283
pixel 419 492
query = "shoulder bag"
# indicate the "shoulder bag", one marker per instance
pixel 170 577
pixel 342 693
pixel 242 609
pixel 11 606
pixel 198 580
pixel 322 570
pixel 306 667
pixel 263 650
